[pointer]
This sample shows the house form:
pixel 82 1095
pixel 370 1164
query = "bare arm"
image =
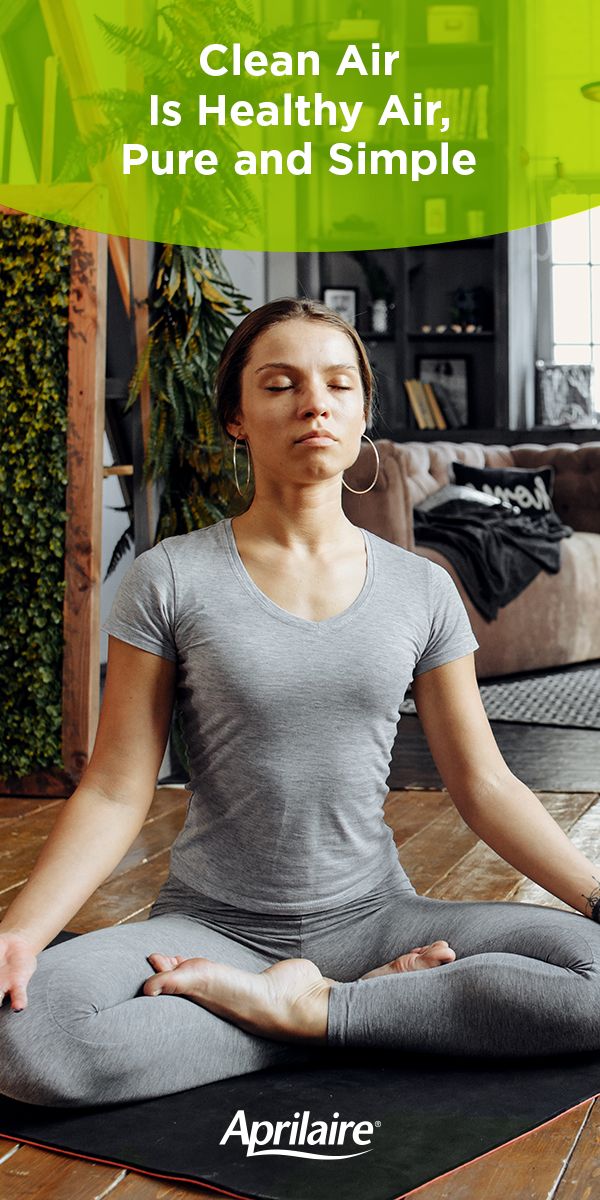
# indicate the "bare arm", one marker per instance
pixel 496 805
pixel 101 819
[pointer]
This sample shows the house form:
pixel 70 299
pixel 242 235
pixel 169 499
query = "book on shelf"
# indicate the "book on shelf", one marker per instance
pixel 427 413
pixel 438 416
pixel 467 109
pixel 416 398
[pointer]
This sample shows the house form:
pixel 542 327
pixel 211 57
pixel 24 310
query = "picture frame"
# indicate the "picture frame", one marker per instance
pixel 450 377
pixel 563 394
pixel 343 301
pixel 435 215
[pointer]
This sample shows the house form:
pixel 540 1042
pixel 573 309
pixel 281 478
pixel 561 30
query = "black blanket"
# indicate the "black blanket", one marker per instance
pixel 495 551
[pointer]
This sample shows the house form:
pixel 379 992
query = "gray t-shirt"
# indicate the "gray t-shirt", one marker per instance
pixel 289 723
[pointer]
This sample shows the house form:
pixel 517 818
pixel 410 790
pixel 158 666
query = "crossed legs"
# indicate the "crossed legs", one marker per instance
pixel 525 980
pixel 517 980
pixel 89 1035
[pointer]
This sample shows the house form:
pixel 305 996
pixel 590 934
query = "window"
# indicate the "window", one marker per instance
pixel 575 290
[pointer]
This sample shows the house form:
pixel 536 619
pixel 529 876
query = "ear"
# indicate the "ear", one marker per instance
pixel 235 428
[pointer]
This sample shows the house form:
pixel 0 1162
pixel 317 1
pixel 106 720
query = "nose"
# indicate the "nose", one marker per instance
pixel 314 398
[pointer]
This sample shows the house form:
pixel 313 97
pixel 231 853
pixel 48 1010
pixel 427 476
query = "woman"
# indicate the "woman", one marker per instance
pixel 287 921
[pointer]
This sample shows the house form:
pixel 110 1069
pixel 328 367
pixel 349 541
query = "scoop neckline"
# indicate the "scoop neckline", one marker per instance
pixel 282 614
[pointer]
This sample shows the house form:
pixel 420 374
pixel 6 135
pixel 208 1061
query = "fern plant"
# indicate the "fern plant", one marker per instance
pixel 193 303
pixel 164 57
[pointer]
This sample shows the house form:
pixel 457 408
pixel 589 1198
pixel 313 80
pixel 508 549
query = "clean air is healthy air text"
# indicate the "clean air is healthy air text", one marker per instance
pixel 303 112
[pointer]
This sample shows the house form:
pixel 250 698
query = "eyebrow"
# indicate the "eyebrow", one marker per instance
pixel 329 367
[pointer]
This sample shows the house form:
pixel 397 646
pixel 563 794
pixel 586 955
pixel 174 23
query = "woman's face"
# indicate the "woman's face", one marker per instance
pixel 301 375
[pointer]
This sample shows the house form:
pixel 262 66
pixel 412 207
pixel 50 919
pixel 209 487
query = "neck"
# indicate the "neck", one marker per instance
pixel 307 519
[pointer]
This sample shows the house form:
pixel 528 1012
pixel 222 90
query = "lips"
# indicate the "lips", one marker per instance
pixel 317 433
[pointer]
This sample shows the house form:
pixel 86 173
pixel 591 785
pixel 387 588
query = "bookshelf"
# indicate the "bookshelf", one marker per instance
pixel 437 284
pixel 497 273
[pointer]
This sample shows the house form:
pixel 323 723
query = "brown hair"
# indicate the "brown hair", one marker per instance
pixel 236 351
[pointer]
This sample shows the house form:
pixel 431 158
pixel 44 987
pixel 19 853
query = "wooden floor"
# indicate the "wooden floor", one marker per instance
pixel 444 859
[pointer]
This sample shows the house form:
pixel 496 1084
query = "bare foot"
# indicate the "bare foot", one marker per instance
pixel 287 1002
pixel 419 959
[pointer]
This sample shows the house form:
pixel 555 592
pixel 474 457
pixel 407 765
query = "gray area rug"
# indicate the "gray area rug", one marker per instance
pixel 569 697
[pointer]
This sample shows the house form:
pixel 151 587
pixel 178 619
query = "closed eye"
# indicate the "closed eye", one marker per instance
pixel 339 387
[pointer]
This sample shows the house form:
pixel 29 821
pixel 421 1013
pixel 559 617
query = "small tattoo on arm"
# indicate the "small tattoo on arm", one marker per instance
pixel 594 901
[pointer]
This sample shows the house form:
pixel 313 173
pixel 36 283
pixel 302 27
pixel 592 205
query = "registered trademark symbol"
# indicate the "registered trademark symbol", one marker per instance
pixel 378 1124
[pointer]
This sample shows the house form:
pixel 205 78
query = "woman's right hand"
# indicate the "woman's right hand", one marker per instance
pixel 18 961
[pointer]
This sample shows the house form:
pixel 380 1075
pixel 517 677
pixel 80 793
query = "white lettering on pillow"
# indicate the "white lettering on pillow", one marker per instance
pixel 520 495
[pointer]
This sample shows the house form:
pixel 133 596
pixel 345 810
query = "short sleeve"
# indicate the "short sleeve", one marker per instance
pixel 142 611
pixel 450 635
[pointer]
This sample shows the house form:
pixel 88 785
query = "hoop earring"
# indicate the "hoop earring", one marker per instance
pixel 235 474
pixel 361 491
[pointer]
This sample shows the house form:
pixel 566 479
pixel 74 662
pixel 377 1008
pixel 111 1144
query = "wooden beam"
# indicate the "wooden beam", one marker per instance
pixel 49 119
pixel 83 547
pixel 118 248
pixel 9 117
pixel 123 469
pixel 70 45
pixel 144 509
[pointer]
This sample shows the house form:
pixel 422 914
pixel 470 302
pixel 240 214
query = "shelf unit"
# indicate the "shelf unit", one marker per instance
pixel 422 281
pixel 499 270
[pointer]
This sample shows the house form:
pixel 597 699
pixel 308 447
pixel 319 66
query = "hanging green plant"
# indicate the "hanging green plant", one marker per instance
pixel 193 303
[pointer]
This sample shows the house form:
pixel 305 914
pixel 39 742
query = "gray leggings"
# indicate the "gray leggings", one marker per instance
pixel 526 980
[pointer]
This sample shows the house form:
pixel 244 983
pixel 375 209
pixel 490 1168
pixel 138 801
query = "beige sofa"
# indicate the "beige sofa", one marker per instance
pixel 556 619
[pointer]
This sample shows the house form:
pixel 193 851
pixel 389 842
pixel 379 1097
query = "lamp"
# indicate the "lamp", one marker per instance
pixel 591 91
pixel 562 186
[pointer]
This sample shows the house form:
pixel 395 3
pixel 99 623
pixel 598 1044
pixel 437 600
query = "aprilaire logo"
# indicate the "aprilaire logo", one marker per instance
pixel 264 1137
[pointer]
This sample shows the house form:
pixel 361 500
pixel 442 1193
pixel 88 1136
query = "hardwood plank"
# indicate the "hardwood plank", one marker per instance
pixel 154 837
pixel 16 808
pixel 35 1174
pixel 164 820
pixel 581 1180
pixel 430 854
pixel 528 1169
pixel 585 834
pixel 18 853
pixel 123 897
pixel 21 845
pixel 410 811
pixel 7 1149
pixel 483 875
pixel 142 1187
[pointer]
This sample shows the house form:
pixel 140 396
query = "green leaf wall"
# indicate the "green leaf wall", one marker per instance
pixel 34 302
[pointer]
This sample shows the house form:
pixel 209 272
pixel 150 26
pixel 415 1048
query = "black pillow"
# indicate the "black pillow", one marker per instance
pixel 530 490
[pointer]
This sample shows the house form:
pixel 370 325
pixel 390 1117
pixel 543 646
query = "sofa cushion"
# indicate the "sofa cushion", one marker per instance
pixel 530 490
pixel 454 494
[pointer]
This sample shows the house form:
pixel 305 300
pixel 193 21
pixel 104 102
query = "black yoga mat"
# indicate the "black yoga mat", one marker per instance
pixel 426 1117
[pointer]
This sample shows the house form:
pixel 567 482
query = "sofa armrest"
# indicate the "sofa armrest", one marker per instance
pixel 576 480
pixel 386 509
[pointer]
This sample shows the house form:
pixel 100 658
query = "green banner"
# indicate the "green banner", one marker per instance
pixel 301 126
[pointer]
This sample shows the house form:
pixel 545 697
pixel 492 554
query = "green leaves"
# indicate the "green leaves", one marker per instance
pixel 34 297
pixel 193 305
